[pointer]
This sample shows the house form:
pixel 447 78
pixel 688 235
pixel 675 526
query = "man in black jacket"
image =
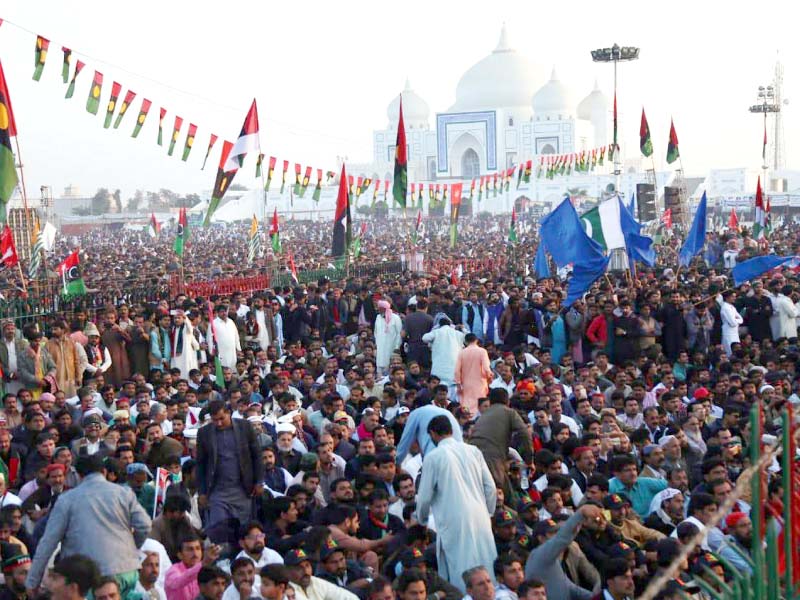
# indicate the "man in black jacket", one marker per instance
pixel 229 470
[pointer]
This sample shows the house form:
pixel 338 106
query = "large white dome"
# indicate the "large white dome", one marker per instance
pixel 415 110
pixel 504 79
pixel 554 99
pixel 595 103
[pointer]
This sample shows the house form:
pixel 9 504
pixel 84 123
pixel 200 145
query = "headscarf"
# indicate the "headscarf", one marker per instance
pixel 441 320
pixel 387 315
pixel 660 498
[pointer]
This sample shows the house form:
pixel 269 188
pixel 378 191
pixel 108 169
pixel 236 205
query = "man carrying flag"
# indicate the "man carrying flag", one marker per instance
pixel 512 228
pixel 400 187
pixel 274 233
pixel 71 276
pixel 417 227
pixel 760 218
pixel 341 222
pixel 182 233
pixel 154 228
pixel 293 269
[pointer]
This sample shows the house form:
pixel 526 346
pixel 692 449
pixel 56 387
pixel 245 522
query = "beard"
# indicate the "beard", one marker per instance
pixel 258 548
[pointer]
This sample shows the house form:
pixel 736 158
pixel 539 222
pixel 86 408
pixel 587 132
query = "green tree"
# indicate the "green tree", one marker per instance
pixel 135 202
pixel 101 202
pixel 118 200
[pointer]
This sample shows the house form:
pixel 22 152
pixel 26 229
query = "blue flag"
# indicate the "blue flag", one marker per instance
pixel 632 205
pixel 639 247
pixel 755 267
pixel 697 235
pixel 540 266
pixel 584 274
pixel 565 238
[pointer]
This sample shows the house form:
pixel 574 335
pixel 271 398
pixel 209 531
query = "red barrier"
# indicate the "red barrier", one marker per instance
pixel 469 265
pixel 223 287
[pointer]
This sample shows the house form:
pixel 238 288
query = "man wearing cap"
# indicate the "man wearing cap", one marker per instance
pixel 46 495
pixel 138 476
pixel 16 563
pixel 666 511
pixel 628 527
pixel 91 443
pixel 738 542
pixel 97 355
pixel 11 348
pixel 336 569
pixel 308 587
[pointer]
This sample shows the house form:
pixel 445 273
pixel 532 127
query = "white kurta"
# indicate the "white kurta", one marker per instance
pixel 227 341
pixel 784 317
pixel 445 342
pixel 457 487
pixel 731 320
pixel 387 339
pixel 263 330
pixel 187 360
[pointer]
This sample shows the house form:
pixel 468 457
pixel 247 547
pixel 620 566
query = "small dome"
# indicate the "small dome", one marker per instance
pixel 595 103
pixel 415 109
pixel 554 98
pixel 503 79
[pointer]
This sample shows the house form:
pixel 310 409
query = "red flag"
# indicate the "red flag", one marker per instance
pixel 12 125
pixel 8 253
pixel 293 269
pixel 666 218
pixel 733 220
pixel 273 230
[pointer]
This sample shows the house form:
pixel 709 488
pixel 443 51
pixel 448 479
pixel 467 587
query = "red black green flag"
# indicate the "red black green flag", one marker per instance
pixel 672 148
pixel 359 188
pixel 528 169
pixel 221 184
pixel 212 140
pixel 187 146
pixel 298 168
pixel 400 187
pixel 341 221
pixel 613 147
pixel 471 190
pixel 161 116
pixel 375 191
pixel 71 87
pixel 270 171
pixel 65 65
pixel 385 189
pixel 645 143
pixel 509 176
pixel 306 180
pixel 140 119
pixel 455 206
pixel 480 188
pixel 93 101
pixel 419 197
pixel 602 156
pixel 176 130
pixel 116 88
pixel 444 193
pixel 129 96
pixel 8 168
pixel 329 177
pixel 259 162
pixel 40 56
pixel 350 185
pixel 283 178
pixel 318 187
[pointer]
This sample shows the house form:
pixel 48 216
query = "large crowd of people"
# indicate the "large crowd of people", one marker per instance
pixel 433 434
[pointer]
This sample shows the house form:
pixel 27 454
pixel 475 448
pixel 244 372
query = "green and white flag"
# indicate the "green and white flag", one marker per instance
pixel 602 224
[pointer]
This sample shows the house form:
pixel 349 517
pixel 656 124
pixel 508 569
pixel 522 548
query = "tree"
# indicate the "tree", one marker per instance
pixel 135 202
pixel 101 202
pixel 190 200
pixel 118 200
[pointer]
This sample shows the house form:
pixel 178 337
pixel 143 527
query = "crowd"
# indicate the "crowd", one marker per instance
pixel 410 436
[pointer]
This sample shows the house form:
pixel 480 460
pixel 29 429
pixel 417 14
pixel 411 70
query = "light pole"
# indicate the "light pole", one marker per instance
pixel 767 104
pixel 616 54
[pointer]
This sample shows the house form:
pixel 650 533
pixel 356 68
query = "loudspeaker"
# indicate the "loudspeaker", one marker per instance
pixel 672 199
pixel 646 201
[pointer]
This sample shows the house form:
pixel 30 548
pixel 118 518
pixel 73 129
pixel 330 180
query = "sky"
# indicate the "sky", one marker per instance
pixel 323 74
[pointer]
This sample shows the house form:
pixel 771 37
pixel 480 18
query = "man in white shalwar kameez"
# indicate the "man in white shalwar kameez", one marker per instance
pixel 388 327
pixel 228 343
pixel 731 320
pixel 457 487
pixel 264 321
pixel 446 342
pixel 184 345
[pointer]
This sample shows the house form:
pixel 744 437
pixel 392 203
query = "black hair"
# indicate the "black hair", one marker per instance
pixel 441 426
pixel 80 570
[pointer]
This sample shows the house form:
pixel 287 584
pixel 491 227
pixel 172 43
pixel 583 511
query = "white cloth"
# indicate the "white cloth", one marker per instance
pixel 455 474
pixel 387 339
pixel 263 330
pixel 187 360
pixel 9 499
pixel 445 342
pixel 731 320
pixel 228 342
pixel 157 592
pixel 783 321
pixel 151 545
pixel 319 589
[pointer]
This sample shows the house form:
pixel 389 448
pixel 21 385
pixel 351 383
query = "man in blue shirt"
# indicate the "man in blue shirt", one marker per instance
pixel 416 430
pixel 639 490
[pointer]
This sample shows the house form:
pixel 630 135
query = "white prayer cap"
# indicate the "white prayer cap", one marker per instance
pixel 666 440
pixel 285 428
pixel 660 497
pixel 288 417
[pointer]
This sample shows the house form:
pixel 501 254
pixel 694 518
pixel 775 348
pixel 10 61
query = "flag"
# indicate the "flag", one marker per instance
pixel 341 220
pixel 358 240
pixel 760 217
pixel 540 266
pixel 116 88
pixel 71 87
pixel 36 252
pixel 540 170
pixel 283 178
pixel 306 180
pixel 431 197
pixel 638 246
pixel 161 116
pixel 602 224
pixel 512 228
pixel 274 233
pixel 293 269
pixel 613 147
pixel 696 238
pixel 248 140
pixel 65 64
pixel 385 189
pixel 8 252
pixel 153 228
pixel 419 196
pixel 602 156
pixel 176 130
pixel 494 185
pixel 400 187
pixel 187 145
pixel 40 56
pixel 317 188
pixel 666 218
pixel 254 241
pixel 8 166
pixel 298 168
pixel 528 169
pixel 182 233
pixel 768 228
pixel 444 193
pixel 733 220
pixel 480 188
pixel 764 146
pixel 455 206
pixel 71 276
pixel 417 226
pixel 413 192
pixel 520 175
pixel 471 189
pixel 645 143
pixel 143 110
pixel 211 141
pixel 270 172
pixel 672 148
pixel 259 162
pixel 756 267
pixel 221 183
pixel 93 101
pixel 129 96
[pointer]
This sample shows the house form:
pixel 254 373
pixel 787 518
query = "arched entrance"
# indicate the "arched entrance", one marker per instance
pixel 470 164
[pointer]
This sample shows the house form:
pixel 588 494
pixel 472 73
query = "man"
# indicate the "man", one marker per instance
pixel 211 582
pixel 334 567
pixel 91 443
pixel 308 587
pixel 181 582
pixel 416 430
pixel 584 462
pixel 274 581
pixel 148 586
pixel 493 432
pixel 243 581
pixel 265 321
pixel 731 320
pixel 510 574
pixel 95 505
pixel 387 329
pixel 106 588
pixel 70 364
pixel 11 349
pixel 185 345
pixel 72 578
pixel 617 580
pixel 16 564
pixel 666 511
pixel 229 468
pixel 653 459
pixel 479 583
pixel 162 448
pixel 738 542
pixel 173 524
pixel 406 494
pixel 532 589
pixel 252 541
pixel 456 474
pixel 412 585
pixel 226 337
pixel 628 527
pixel 639 490
pixel 418 323
pixel 473 374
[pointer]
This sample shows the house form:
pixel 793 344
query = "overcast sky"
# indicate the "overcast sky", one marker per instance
pixel 324 72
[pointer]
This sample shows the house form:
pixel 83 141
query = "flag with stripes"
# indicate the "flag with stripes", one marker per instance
pixel 36 252
pixel 254 242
